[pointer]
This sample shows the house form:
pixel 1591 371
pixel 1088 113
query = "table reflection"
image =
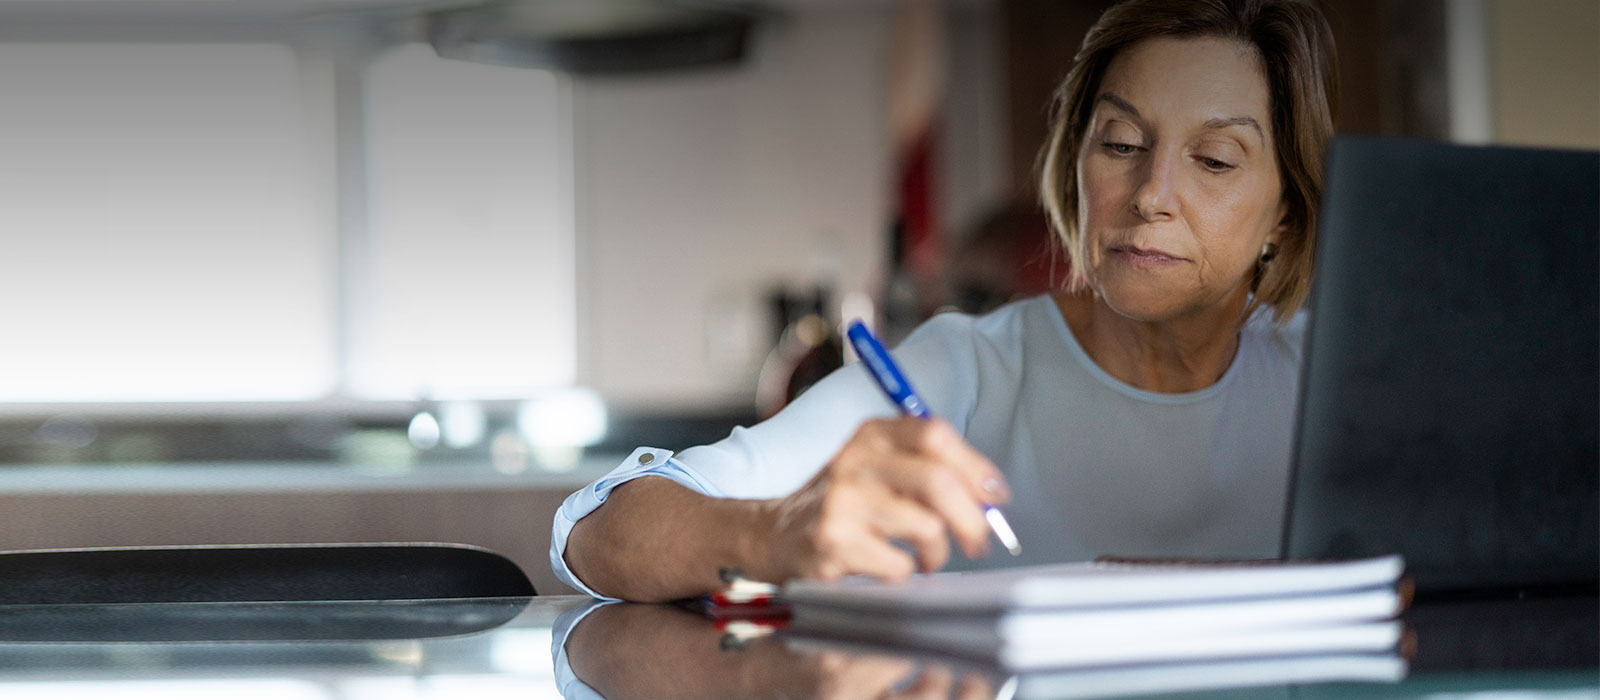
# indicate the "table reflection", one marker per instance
pixel 1537 649
pixel 571 647
pixel 628 652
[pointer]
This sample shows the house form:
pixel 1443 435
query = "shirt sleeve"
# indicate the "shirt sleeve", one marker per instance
pixel 645 461
pixel 777 456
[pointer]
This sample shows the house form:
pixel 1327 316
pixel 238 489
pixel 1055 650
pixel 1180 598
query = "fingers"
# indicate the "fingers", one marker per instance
pixel 843 675
pixel 934 490
pixel 925 532
pixel 874 557
pixel 974 686
pixel 929 462
pixel 834 528
pixel 933 683
pixel 940 443
pixel 965 516
pixel 908 480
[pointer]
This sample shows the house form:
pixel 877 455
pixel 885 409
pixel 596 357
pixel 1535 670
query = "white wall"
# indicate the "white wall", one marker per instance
pixel 1545 72
pixel 974 145
pixel 698 191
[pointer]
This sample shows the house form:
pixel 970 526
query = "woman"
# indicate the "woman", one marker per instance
pixel 1145 410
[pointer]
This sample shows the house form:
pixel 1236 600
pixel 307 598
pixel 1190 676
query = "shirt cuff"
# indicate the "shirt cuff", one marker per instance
pixel 645 461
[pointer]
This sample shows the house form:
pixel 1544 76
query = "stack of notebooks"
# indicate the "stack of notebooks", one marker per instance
pixel 1104 615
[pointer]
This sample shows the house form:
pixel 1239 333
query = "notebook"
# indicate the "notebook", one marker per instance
pixel 1093 585
pixel 1099 614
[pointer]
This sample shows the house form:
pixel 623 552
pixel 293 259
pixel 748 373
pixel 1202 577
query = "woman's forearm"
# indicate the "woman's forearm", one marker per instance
pixel 654 540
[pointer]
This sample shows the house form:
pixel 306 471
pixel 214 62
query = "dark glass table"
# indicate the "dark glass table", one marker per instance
pixel 565 646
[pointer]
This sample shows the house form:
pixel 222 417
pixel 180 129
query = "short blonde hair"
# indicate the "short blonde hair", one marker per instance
pixel 1295 45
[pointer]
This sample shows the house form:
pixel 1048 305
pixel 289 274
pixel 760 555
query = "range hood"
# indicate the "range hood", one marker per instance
pixel 595 37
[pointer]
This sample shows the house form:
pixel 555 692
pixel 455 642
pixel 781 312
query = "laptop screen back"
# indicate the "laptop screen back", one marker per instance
pixel 1449 394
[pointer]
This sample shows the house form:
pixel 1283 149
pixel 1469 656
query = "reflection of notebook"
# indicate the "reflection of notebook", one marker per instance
pixel 1227 678
pixel 1233 676
pixel 1449 396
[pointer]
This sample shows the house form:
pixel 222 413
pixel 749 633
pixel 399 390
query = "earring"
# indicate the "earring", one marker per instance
pixel 1268 252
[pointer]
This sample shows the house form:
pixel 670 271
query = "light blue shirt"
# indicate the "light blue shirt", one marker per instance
pixel 1096 466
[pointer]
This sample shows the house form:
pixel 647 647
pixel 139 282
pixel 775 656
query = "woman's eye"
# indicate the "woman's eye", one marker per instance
pixel 1121 148
pixel 1215 164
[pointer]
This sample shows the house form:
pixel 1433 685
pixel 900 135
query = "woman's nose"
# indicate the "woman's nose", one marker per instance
pixel 1153 199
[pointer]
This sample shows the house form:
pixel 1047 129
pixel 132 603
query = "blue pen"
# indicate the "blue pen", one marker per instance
pixel 889 378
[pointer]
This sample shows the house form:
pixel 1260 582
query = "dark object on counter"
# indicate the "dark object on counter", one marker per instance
pixel 1450 404
pixel 256 573
pixel 808 348
pixel 594 36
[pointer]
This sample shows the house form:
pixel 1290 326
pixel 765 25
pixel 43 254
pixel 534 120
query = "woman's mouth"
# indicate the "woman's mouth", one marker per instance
pixel 1145 257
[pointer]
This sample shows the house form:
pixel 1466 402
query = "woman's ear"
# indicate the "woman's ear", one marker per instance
pixel 1275 236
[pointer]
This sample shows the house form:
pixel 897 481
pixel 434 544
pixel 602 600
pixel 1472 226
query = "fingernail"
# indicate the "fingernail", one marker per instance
pixel 995 488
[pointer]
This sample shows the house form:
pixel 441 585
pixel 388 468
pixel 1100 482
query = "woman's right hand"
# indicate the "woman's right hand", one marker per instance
pixel 909 480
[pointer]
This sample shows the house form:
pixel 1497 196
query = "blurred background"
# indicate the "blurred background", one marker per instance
pixel 396 270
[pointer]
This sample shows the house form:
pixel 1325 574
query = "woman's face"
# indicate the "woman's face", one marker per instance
pixel 1178 184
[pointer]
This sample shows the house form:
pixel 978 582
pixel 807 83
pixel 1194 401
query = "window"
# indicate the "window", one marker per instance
pixel 471 246
pixel 166 233
pixel 158 239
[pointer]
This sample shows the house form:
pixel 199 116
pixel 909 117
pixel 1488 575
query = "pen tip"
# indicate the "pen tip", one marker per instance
pixel 1002 530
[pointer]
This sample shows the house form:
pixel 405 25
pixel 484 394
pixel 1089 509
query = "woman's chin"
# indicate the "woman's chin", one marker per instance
pixel 1143 303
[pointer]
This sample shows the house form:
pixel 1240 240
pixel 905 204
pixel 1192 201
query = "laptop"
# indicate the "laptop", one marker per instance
pixel 1448 406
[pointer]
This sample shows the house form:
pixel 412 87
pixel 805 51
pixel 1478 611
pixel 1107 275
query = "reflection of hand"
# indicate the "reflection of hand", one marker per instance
pixel 858 676
pixel 626 651
pixel 906 479
pixel 836 675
